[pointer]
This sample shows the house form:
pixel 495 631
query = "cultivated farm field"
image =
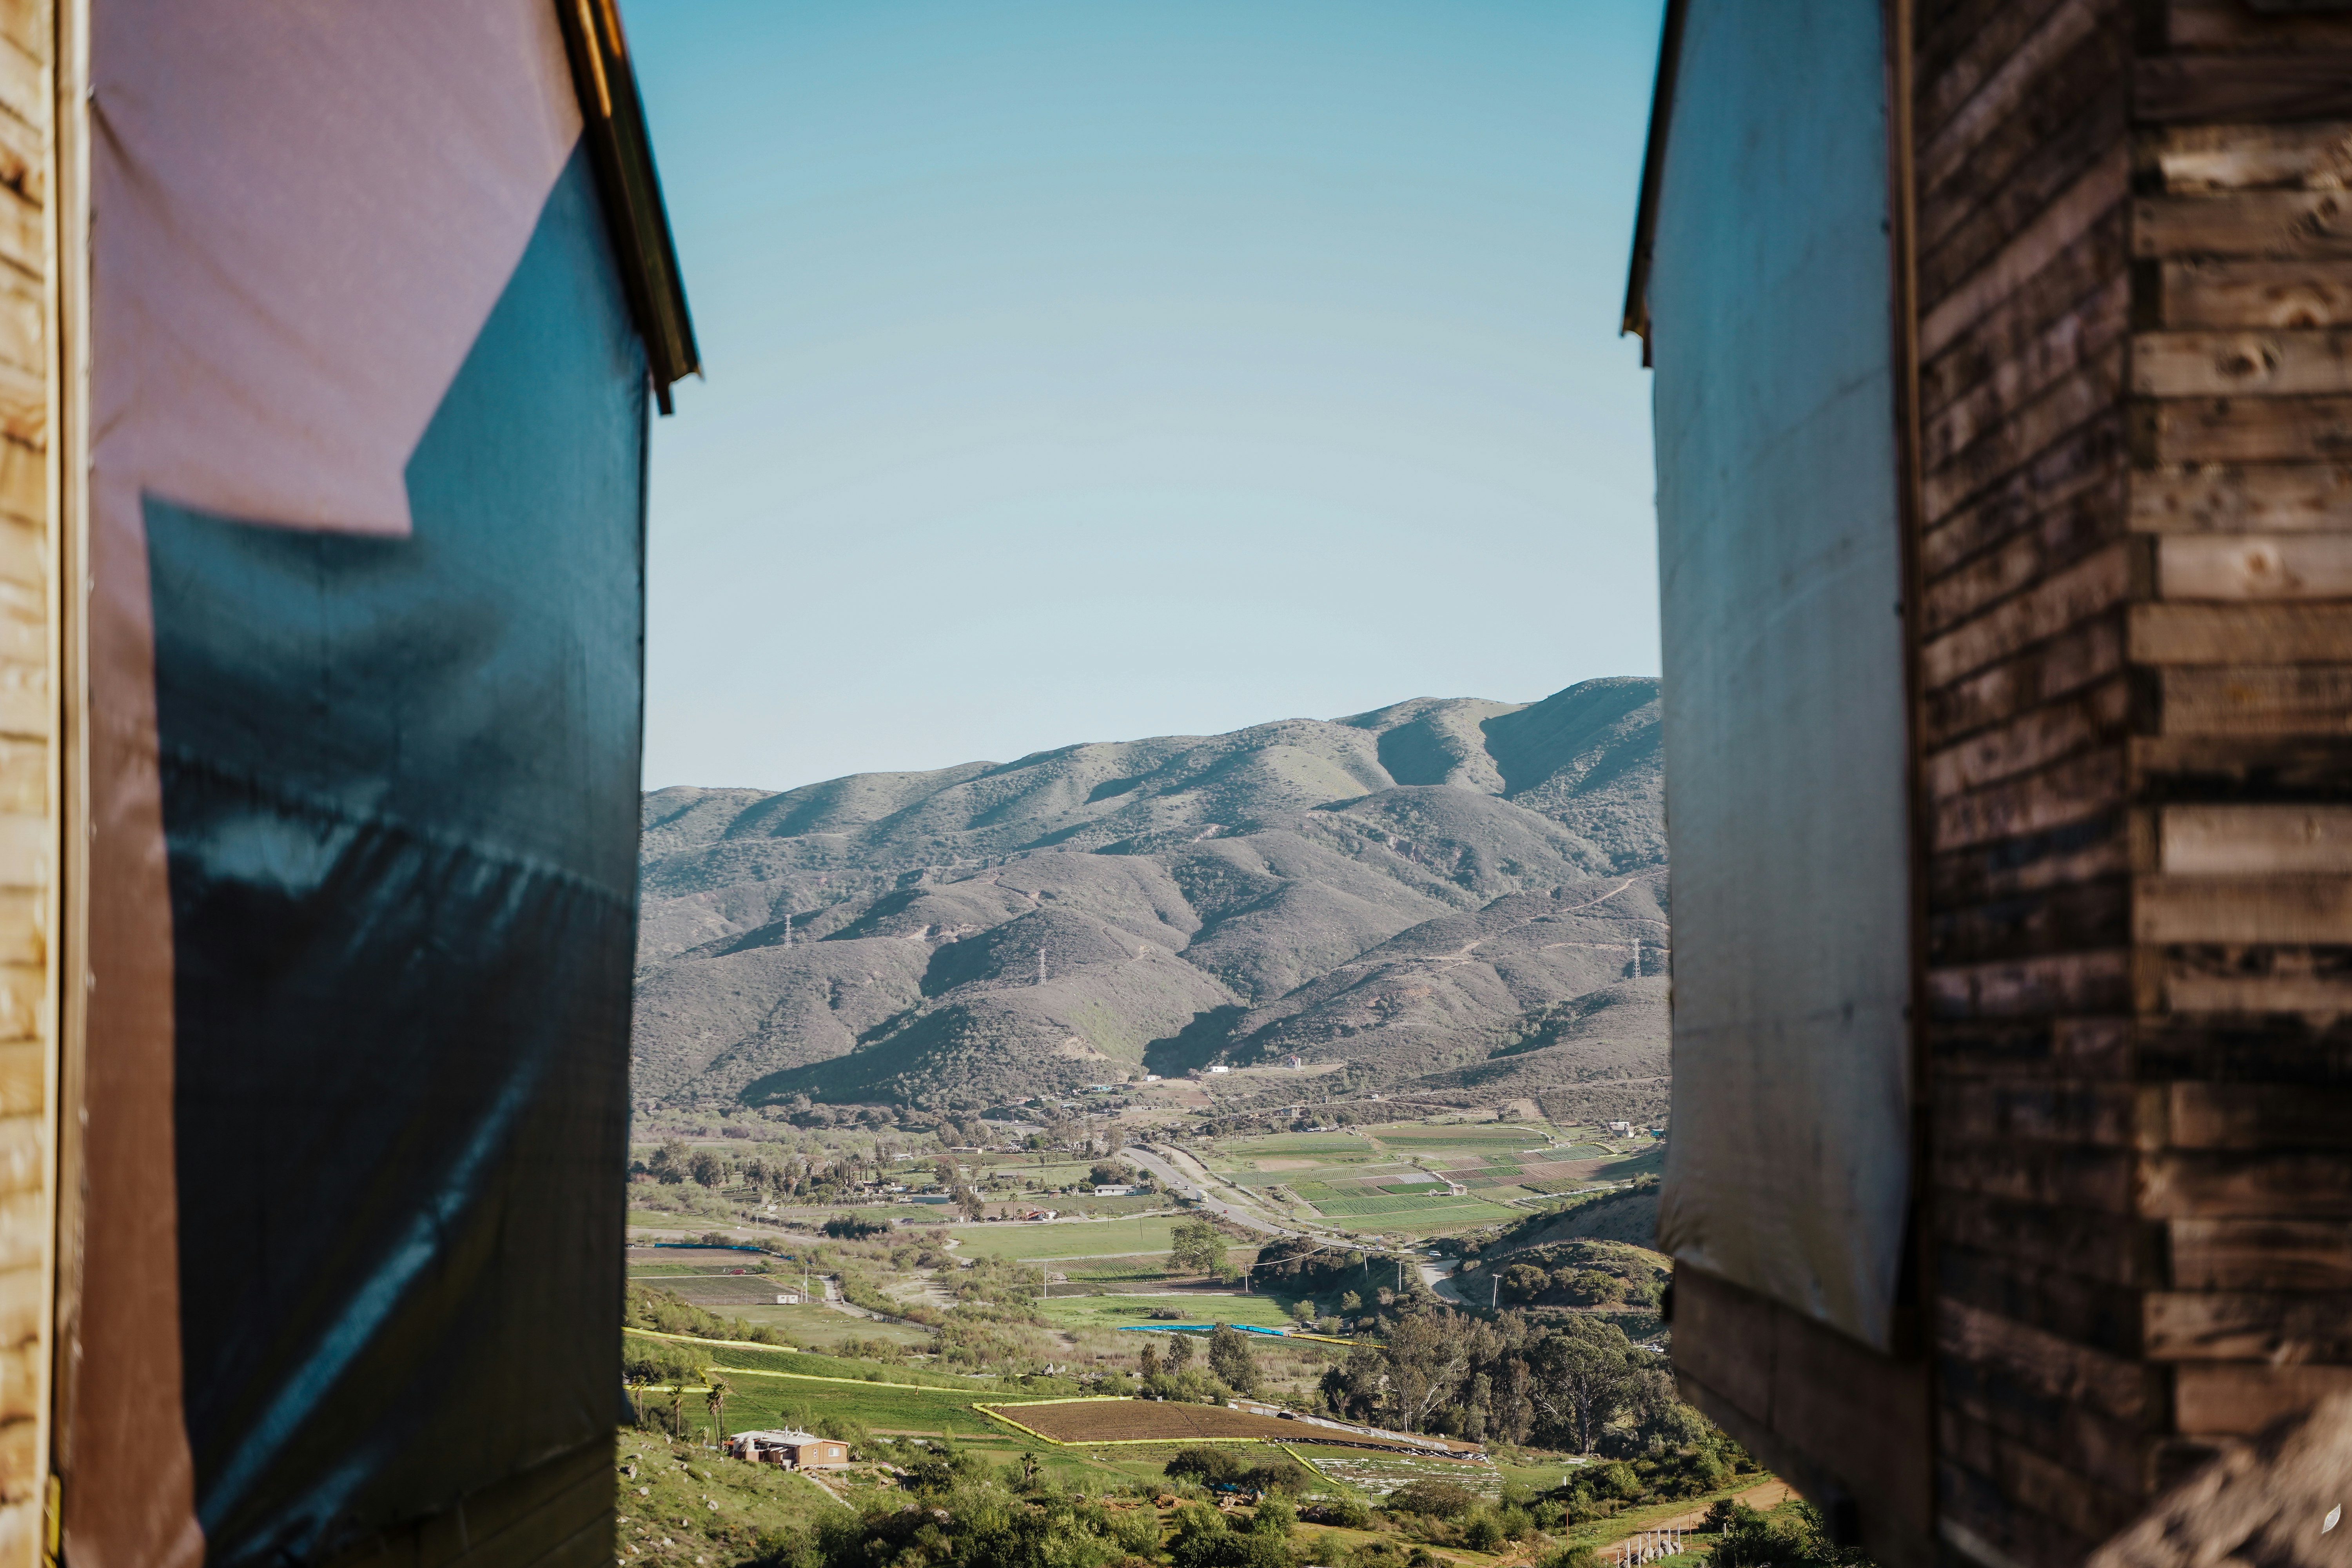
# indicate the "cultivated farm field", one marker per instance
pixel 1151 1420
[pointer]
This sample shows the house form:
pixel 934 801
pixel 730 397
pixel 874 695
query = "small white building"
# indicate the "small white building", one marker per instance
pixel 1221 1067
pixel 1102 1192
pixel 787 1297
pixel 789 1449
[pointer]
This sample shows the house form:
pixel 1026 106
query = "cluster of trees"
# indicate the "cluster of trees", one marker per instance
pixel 1198 1246
pixel 1575 1384
pixel 1232 1368
pixel 1571 1273
pixel 965 1514
pixel 1797 1535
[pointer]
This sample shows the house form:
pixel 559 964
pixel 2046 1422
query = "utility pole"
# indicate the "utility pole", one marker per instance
pixel 788 929
pixel 1497 1304
pixel 1637 957
pixel 1041 966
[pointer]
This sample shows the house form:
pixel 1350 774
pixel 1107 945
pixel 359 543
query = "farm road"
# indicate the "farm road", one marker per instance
pixel 1187 1177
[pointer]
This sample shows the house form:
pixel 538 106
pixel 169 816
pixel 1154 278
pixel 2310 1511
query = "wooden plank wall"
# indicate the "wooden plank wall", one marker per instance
pixel 2135 353
pixel 29 762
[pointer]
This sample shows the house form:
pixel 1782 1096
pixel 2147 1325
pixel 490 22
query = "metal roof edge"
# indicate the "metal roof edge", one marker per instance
pixel 613 125
pixel 1636 317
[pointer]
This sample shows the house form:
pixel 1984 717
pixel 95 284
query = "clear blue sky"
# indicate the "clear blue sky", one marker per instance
pixel 1089 371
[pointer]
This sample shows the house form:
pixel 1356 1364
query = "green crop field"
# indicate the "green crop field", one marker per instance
pixel 1470 1140
pixel 1292 1145
pixel 1381 1207
pixel 1079 1238
pixel 1121 1312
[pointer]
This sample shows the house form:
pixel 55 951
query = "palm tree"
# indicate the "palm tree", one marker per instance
pixel 717 1400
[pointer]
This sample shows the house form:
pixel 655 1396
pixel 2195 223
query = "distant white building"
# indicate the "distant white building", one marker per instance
pixel 787 1297
pixel 1115 1192
pixel 1151 1078
pixel 1221 1067
pixel 1622 1129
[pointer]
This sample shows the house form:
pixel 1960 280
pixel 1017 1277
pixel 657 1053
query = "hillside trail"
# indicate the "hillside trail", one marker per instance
pixel 1772 1494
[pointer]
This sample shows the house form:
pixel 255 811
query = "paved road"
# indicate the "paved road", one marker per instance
pixel 1187 1177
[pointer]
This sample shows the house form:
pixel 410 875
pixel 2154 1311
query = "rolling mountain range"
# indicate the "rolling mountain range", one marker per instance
pixel 1447 894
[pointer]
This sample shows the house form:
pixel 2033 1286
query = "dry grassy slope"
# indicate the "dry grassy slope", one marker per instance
pixel 1444 891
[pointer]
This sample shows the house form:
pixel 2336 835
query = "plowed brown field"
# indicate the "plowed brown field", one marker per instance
pixel 1147 1420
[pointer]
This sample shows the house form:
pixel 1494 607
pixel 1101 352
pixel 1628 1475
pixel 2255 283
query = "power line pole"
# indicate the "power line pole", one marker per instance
pixel 788 929
pixel 1637 957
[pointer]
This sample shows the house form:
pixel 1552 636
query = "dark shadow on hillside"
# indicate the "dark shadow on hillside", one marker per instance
pixel 1196 1045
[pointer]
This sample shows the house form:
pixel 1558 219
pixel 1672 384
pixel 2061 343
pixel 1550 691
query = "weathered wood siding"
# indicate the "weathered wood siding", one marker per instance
pixel 2136 548
pixel 28 775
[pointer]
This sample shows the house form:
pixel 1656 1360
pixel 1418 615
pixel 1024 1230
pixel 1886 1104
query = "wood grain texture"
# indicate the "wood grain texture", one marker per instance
pixel 2073 400
pixel 2275 362
pixel 2051 985
pixel 2254 1116
pixel 2074 1241
pixel 2253 981
pixel 2260 1254
pixel 2199 292
pixel 1975 214
pixel 2058 603
pixel 2236 497
pixel 2278 225
pixel 2269 1183
pixel 2243 88
pixel 2183 1325
pixel 2083 786
pixel 2252 634
pixel 2032 740
pixel 2240 1399
pixel 2042 1362
pixel 2227 567
pixel 2097 191
pixel 2079 658
pixel 2073 490
pixel 2254 701
pixel 2198 160
pixel 2243 909
pixel 2255 840
pixel 2232 27
pixel 2075 339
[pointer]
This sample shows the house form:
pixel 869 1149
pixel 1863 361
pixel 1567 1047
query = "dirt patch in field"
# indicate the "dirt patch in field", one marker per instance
pixel 1142 1420
pixel 1285 1165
